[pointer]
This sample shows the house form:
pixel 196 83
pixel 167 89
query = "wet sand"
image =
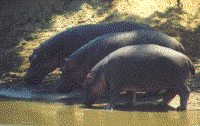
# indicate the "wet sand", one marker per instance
pixel 40 113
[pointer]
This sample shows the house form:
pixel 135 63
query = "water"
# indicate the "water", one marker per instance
pixel 40 113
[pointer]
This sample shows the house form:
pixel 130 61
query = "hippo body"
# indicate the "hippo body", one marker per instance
pixel 48 56
pixel 143 68
pixel 78 65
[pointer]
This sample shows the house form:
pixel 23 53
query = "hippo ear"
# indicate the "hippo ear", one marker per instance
pixel 71 63
pixel 68 64
pixel 63 61
pixel 90 79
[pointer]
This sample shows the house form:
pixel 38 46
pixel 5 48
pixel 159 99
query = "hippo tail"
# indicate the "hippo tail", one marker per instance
pixel 191 66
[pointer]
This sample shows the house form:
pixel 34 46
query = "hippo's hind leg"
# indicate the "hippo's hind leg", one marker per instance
pixel 168 96
pixel 184 93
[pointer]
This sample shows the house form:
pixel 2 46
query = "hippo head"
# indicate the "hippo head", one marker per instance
pixel 67 79
pixel 97 85
pixel 39 67
pixel 72 76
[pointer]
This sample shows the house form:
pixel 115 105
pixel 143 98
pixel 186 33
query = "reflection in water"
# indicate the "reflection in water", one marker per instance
pixel 79 115
pixel 37 113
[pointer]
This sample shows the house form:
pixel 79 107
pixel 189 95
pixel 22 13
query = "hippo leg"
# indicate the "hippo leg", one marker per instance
pixel 67 82
pixel 168 96
pixel 113 95
pixel 92 92
pixel 131 97
pixel 184 93
pixel 88 99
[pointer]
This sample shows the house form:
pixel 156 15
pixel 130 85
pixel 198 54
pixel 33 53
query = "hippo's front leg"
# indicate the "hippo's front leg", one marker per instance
pixel 66 83
pixel 131 97
pixel 184 93
pixel 90 95
pixel 88 99
pixel 113 95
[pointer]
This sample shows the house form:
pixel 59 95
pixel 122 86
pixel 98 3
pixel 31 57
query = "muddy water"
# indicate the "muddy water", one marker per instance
pixel 37 113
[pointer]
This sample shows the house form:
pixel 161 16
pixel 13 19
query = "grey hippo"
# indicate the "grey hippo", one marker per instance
pixel 79 63
pixel 50 54
pixel 143 68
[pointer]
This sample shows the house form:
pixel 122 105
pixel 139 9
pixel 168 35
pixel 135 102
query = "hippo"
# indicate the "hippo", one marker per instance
pixel 141 68
pixel 79 63
pixel 50 54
